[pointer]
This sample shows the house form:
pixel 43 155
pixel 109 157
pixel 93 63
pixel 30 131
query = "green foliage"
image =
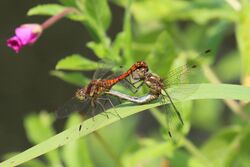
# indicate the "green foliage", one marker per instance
pixel 75 78
pixel 44 124
pixel 163 53
pixel 40 127
pixel 76 153
pixel 198 11
pixel 205 91
pixel 165 34
pixel 243 38
pixel 98 18
pixel 53 9
pixel 76 62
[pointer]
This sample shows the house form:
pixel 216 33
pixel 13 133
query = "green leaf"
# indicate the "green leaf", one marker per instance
pixel 214 36
pixel 39 128
pixel 98 49
pixel 53 9
pixel 243 39
pixel 185 108
pixel 76 62
pixel 74 78
pixel 127 50
pixel 232 60
pixel 104 139
pixel 240 149
pixel 99 12
pixel 163 54
pixel 31 163
pixel 120 142
pixel 232 144
pixel 68 2
pixel 97 18
pixel 204 91
pixel 46 9
pixel 209 119
pixel 180 158
pixel 200 12
pixel 148 153
pixel 219 144
pixel 117 46
pixel 43 122
pixel 76 153
pixel 145 40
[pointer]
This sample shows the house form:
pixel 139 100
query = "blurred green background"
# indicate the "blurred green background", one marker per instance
pixel 166 34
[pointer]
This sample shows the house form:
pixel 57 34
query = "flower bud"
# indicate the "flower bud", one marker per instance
pixel 26 34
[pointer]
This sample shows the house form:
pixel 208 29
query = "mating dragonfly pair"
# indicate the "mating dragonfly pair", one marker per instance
pixel 95 97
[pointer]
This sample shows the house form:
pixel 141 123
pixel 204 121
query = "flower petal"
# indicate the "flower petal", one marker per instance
pixel 24 34
pixel 15 43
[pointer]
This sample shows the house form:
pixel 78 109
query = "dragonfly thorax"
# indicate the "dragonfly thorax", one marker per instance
pixel 154 83
pixel 94 89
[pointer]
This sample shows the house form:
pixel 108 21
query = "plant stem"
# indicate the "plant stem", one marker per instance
pixel 233 105
pixel 186 143
pixel 195 151
pixel 108 149
pixel 52 20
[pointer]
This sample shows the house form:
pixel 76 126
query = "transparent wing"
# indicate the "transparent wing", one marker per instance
pixel 103 73
pixel 179 75
pixel 72 105
pixel 173 123
pixel 104 70
pixel 173 117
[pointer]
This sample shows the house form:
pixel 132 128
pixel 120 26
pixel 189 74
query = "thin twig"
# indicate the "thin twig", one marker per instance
pixel 233 105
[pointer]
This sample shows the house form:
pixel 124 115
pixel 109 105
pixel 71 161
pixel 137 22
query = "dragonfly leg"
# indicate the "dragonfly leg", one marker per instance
pixel 93 106
pixel 103 109
pixel 131 84
pixel 139 86
pixel 93 115
pixel 114 108
pixel 173 118
pixel 175 109
pixel 168 114
pixel 110 102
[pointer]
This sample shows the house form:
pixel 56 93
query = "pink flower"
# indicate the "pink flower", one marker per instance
pixel 25 34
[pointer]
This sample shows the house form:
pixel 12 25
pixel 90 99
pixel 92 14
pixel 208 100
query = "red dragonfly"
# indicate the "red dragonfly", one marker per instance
pixel 92 98
pixel 157 88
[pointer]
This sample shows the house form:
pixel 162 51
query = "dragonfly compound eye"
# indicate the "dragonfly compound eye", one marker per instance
pixel 80 94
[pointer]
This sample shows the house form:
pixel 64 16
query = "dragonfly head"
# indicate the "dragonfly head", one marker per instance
pixel 81 94
pixel 141 64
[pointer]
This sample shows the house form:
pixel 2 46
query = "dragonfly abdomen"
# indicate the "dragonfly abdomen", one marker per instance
pixel 137 65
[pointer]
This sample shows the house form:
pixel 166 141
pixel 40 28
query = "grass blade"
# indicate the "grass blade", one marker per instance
pixel 204 91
